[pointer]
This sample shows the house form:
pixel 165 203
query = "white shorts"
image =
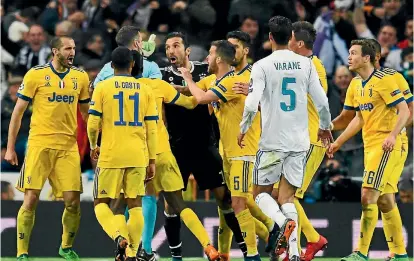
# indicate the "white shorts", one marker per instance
pixel 270 165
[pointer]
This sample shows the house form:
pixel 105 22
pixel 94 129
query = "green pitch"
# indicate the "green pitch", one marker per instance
pixel 163 259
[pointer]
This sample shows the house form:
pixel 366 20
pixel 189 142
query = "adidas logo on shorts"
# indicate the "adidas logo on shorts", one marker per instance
pixel 266 181
pixel 103 192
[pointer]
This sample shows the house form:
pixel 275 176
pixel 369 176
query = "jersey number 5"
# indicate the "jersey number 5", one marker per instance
pixel 290 93
pixel 135 99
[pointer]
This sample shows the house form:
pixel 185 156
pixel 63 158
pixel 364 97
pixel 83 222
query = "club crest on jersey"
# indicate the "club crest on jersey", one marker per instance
pixel 75 83
pixel 370 92
pixel 61 84
pixel 47 78
pixel 21 87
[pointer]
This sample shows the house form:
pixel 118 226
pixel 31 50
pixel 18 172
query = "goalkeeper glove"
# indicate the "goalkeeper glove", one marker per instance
pixel 148 47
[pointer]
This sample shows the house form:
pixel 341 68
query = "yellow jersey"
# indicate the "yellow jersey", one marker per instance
pixel 229 112
pixel 350 103
pixel 405 90
pixel 245 71
pixel 165 93
pixel 124 103
pixel 313 117
pixel 376 99
pixel 54 98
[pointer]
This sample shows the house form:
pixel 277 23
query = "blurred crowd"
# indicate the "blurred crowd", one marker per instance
pixel 28 25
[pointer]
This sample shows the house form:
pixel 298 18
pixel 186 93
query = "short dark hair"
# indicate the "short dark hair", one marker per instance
pixel 225 50
pixel 375 44
pixel 181 35
pixel 281 29
pixel 304 31
pixel 126 35
pixel 243 37
pixel 121 58
pixel 56 41
pixel 92 38
pixel 366 48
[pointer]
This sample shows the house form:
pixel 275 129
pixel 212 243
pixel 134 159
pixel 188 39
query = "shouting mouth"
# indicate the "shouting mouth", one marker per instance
pixel 70 60
pixel 173 59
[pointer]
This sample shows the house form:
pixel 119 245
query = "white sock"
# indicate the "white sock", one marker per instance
pixel 270 207
pixel 290 212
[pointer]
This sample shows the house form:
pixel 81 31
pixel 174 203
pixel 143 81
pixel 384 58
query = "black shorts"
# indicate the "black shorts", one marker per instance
pixel 206 167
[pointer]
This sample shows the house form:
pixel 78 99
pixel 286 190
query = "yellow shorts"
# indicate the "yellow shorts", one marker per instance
pixel 108 183
pixel 167 176
pixel 60 167
pixel 314 158
pixel 381 169
pixel 238 175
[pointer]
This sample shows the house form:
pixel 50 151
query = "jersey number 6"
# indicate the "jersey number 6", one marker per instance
pixel 135 99
pixel 290 93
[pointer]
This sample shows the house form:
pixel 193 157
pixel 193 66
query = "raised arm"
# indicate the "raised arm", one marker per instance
pixel 200 96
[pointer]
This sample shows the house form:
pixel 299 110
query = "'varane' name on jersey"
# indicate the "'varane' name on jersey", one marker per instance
pixel 288 66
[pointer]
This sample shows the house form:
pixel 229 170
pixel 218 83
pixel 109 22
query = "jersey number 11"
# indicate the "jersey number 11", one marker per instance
pixel 135 99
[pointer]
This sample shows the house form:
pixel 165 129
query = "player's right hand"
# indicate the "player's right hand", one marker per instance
pixel 326 137
pixel 95 153
pixel 241 88
pixel 150 172
pixel 11 157
pixel 240 139
pixel 333 147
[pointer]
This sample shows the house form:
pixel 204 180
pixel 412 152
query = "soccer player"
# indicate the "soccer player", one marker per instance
pixel 189 127
pixel 228 107
pixel 281 83
pixel 130 37
pixel 55 89
pixel 389 211
pixel 128 113
pixel 302 40
pixel 381 113
pixel 241 42
pixel 168 179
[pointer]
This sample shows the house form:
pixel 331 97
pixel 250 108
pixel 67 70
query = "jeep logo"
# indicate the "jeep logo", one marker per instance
pixel 61 98
pixel 366 107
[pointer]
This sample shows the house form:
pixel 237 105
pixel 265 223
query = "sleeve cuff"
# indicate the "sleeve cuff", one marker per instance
pixel 150 118
pixel 221 97
pixel 23 97
pixel 410 99
pixel 395 102
pixel 175 98
pixel 349 108
pixel 96 113
pixel 85 101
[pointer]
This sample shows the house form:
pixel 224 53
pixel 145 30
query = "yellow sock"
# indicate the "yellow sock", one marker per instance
pixel 135 227
pixel 191 220
pixel 70 223
pixel 25 221
pixel 247 227
pixel 121 224
pixel 369 220
pixel 105 218
pixel 305 225
pixel 225 235
pixel 261 230
pixel 259 215
pixel 393 231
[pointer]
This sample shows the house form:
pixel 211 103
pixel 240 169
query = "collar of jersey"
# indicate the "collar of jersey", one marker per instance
pixel 178 73
pixel 244 69
pixel 61 75
pixel 224 76
pixel 369 78
pixel 122 74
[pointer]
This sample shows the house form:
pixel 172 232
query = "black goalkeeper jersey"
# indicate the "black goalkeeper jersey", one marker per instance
pixel 188 129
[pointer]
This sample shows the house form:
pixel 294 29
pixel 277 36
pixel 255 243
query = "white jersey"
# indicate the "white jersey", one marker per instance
pixel 281 82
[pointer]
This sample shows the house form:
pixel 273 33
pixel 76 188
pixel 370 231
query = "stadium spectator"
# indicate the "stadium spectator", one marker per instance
pixel 405 186
pixel 94 49
pixel 394 59
pixel 351 154
pixel 7 191
pixel 7 105
pixel 36 52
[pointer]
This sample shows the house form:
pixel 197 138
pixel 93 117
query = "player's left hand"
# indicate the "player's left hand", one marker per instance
pixel 150 172
pixel 185 73
pixel 326 137
pixel 95 153
pixel 240 139
pixel 389 143
pixel 333 147
pixel 241 88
